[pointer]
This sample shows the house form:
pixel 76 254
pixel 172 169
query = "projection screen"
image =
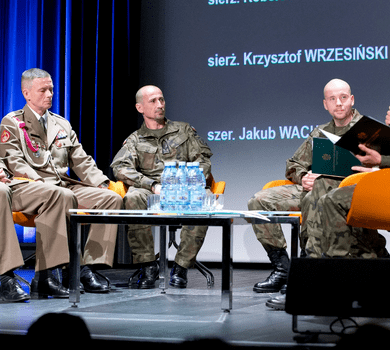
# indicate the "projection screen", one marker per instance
pixel 249 76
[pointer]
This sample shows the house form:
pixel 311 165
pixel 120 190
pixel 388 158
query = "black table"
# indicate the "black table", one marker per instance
pixel 225 219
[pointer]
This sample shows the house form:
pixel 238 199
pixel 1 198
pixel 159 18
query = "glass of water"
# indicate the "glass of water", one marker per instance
pixel 154 202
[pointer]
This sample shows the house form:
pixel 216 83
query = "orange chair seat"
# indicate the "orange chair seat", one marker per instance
pixel 276 183
pixel 23 219
pixel 348 181
pixel 352 179
pixel 370 202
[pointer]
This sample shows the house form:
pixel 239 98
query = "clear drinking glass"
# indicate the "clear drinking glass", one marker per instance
pixel 154 202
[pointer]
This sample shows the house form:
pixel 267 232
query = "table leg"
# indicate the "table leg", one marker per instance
pixel 227 268
pixel 163 258
pixel 295 230
pixel 74 263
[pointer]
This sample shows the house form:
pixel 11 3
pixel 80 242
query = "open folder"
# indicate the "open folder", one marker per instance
pixel 368 131
pixel 330 159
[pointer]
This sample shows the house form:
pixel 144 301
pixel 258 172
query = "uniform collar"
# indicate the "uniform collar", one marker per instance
pixel 145 132
pixel 45 116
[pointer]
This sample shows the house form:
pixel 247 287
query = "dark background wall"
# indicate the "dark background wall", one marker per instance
pixel 247 74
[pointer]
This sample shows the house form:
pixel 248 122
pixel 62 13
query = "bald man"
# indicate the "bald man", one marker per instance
pixel 307 188
pixel 140 163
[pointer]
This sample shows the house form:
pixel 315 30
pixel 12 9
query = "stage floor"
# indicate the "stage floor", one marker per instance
pixel 180 314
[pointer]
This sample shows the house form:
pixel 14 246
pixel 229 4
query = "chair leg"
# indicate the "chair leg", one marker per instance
pixel 206 273
pixel 199 266
pixel 27 283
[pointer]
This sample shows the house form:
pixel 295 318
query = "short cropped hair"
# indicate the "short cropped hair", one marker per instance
pixel 29 75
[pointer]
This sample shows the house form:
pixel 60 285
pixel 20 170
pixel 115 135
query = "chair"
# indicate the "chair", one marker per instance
pixel 276 183
pixel 27 220
pixel 370 202
pixel 216 188
pixel 348 181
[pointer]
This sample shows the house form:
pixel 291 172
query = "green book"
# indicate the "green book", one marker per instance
pixel 330 159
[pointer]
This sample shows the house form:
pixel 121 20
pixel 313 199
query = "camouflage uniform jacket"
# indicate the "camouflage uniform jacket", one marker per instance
pixel 300 163
pixel 140 161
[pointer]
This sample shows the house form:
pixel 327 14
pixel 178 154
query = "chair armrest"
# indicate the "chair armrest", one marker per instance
pixel 118 187
pixel 276 183
pixel 370 202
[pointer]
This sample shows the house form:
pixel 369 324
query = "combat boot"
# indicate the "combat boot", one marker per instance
pixel 278 277
pixel 148 275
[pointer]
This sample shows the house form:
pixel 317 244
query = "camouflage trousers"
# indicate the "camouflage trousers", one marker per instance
pixel 311 227
pixel 332 236
pixel 281 198
pixel 141 240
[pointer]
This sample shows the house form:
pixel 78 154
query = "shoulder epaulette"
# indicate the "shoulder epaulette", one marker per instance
pixel 15 113
pixel 56 115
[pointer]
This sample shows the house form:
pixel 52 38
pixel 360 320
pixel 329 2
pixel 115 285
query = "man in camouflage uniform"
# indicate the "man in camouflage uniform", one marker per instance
pixel 335 238
pixel 307 188
pixel 332 237
pixel 140 163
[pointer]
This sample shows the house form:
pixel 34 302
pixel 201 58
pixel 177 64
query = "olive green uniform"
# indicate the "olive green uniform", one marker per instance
pixel 293 197
pixel 140 163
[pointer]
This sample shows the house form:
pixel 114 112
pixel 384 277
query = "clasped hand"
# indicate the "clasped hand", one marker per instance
pixel 308 181
pixel 3 177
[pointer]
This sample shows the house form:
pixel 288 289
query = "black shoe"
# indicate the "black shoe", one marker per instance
pixel 65 281
pixel 275 281
pixel 272 284
pixel 277 303
pixel 178 276
pixel 50 287
pixel 11 291
pixel 148 275
pixel 91 282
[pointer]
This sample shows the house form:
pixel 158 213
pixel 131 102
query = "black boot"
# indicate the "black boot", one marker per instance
pixel 148 275
pixel 178 276
pixel 277 303
pixel 274 282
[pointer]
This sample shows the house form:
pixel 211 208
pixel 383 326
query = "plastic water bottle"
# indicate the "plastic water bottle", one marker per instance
pixel 182 193
pixel 171 187
pixel 163 190
pixel 202 186
pixel 191 184
pixel 197 192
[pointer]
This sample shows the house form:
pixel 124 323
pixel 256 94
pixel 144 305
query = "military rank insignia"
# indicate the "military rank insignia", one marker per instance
pixel 61 135
pixel 5 136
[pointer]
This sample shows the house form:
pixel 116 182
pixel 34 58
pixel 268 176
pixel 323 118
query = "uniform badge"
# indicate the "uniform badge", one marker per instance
pixel 165 147
pixel 58 143
pixel 37 146
pixel 5 136
pixel 61 135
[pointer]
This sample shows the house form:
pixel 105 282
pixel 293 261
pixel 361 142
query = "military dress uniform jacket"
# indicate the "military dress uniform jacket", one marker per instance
pixel 46 158
pixel 300 163
pixel 140 161
pixel 28 152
